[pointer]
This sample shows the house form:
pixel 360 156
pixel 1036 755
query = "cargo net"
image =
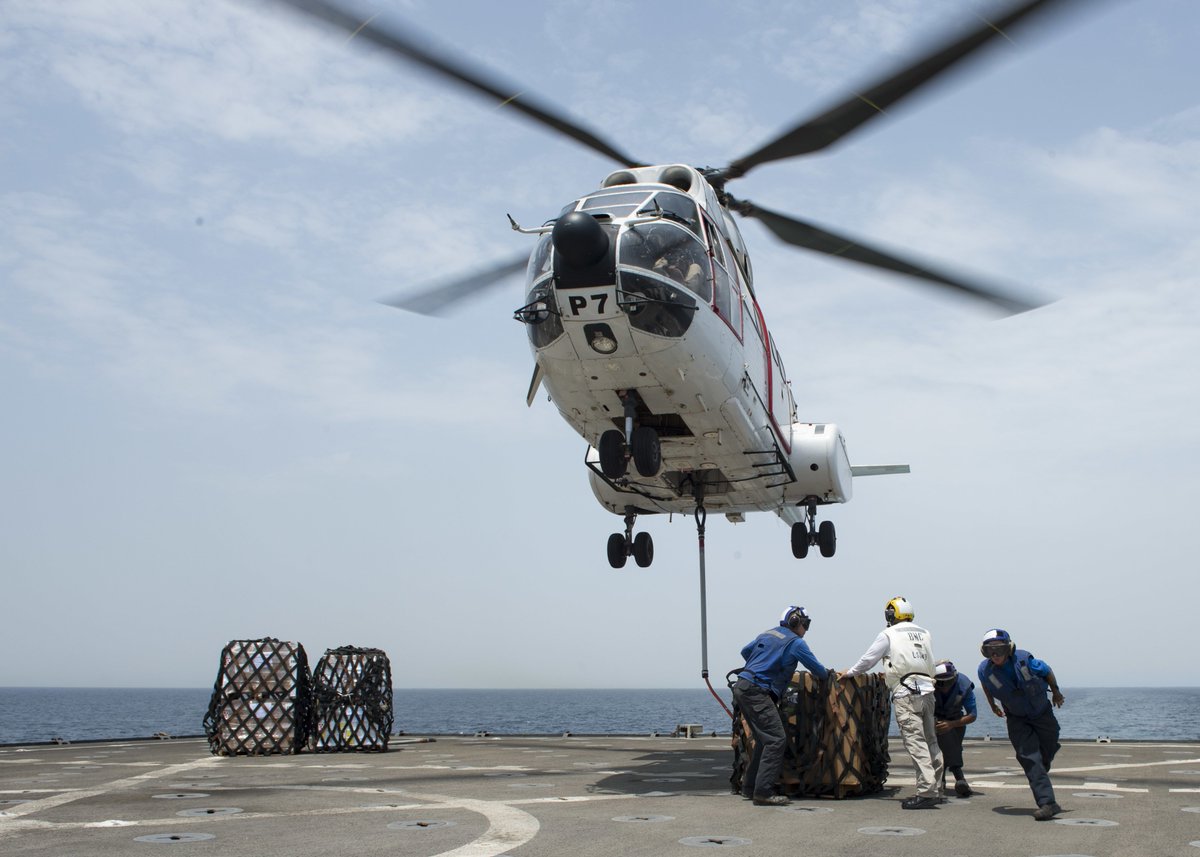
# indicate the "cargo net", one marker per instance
pixel 260 700
pixel 352 700
pixel 837 737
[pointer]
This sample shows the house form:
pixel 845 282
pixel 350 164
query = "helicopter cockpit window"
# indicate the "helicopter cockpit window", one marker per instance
pixel 716 241
pixel 542 321
pixel 539 261
pixel 668 251
pixel 678 207
pixel 620 204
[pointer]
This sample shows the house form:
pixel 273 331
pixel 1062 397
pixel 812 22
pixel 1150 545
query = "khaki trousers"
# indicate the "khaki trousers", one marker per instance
pixel 914 717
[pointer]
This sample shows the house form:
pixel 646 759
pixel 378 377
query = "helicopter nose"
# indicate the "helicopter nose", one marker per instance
pixel 579 239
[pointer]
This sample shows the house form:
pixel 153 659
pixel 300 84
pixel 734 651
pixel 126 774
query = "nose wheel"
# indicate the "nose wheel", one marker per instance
pixel 621 546
pixel 642 444
pixel 612 454
pixel 806 533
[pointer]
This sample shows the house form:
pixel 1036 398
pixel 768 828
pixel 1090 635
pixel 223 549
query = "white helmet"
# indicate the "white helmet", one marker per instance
pixel 794 617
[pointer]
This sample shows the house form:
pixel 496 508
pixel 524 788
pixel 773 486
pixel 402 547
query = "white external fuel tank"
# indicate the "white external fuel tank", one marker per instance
pixel 822 467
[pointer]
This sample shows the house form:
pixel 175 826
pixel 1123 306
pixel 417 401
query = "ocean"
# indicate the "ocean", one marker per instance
pixel 31 715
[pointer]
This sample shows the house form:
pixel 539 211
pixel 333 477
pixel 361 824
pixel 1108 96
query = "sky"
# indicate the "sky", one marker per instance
pixel 212 429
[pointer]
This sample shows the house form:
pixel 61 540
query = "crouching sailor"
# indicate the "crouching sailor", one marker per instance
pixel 953 708
pixel 1020 682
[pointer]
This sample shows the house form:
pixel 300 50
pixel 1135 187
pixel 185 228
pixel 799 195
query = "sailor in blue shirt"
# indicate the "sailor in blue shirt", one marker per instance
pixel 953 708
pixel 771 659
pixel 1020 682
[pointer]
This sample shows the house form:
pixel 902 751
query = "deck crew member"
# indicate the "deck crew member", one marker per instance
pixel 907 653
pixel 771 659
pixel 953 708
pixel 1020 682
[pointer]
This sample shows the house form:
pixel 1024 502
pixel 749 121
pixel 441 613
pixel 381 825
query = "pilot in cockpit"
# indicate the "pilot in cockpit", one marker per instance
pixel 672 259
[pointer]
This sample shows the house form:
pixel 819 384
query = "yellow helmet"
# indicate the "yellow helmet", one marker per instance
pixel 898 610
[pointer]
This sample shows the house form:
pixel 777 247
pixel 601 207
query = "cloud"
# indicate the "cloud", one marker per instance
pixel 1148 182
pixel 219 71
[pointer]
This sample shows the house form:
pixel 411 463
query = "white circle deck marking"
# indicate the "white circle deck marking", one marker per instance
pixel 174 838
pixel 891 831
pixel 1086 822
pixel 713 841
pixel 203 811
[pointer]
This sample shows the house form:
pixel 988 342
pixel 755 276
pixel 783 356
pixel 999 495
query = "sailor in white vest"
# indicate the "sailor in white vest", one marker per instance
pixel 907 653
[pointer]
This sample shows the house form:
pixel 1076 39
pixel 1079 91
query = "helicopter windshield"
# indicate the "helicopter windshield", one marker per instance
pixel 539 260
pixel 616 204
pixel 664 249
pixel 678 207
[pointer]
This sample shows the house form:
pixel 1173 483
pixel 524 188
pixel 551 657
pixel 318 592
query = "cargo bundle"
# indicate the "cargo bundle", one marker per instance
pixel 261 699
pixel 352 700
pixel 837 737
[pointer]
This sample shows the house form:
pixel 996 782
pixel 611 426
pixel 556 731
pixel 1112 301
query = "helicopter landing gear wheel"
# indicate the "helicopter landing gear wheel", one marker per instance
pixel 647 451
pixel 616 550
pixel 827 538
pixel 612 456
pixel 800 539
pixel 643 550
pixel 621 546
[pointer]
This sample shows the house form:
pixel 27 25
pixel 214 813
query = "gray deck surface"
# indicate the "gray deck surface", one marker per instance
pixel 588 795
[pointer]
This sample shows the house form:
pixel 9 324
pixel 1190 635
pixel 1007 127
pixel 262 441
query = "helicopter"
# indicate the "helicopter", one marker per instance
pixel 641 311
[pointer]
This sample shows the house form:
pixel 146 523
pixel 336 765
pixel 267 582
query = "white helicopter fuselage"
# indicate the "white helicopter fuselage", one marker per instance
pixel 665 331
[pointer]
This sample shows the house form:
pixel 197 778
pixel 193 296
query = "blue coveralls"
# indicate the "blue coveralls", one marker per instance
pixel 949 703
pixel 770 662
pixel 1020 686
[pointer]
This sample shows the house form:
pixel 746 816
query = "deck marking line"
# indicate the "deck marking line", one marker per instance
pixel 58 800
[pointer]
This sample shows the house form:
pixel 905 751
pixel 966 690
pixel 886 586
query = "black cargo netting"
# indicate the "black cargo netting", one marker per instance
pixel 837 737
pixel 352 700
pixel 261 699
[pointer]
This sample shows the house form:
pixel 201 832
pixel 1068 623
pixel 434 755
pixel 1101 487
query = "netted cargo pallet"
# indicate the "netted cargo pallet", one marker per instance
pixel 261 699
pixel 837 744
pixel 352 700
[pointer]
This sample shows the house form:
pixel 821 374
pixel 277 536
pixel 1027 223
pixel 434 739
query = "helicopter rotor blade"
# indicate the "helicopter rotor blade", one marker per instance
pixel 841 119
pixel 808 236
pixel 404 43
pixel 436 299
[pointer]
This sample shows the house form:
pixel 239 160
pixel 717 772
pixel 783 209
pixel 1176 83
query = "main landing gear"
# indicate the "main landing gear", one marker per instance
pixel 641 444
pixel 806 533
pixel 623 545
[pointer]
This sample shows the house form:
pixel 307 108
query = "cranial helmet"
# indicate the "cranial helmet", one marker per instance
pixel 944 671
pixel 794 616
pixel 995 642
pixel 898 610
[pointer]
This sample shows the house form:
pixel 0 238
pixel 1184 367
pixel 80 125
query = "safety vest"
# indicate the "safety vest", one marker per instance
pixel 949 705
pixel 910 652
pixel 767 662
pixel 1024 697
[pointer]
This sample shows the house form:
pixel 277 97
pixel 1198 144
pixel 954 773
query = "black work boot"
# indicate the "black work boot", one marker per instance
pixel 1047 811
